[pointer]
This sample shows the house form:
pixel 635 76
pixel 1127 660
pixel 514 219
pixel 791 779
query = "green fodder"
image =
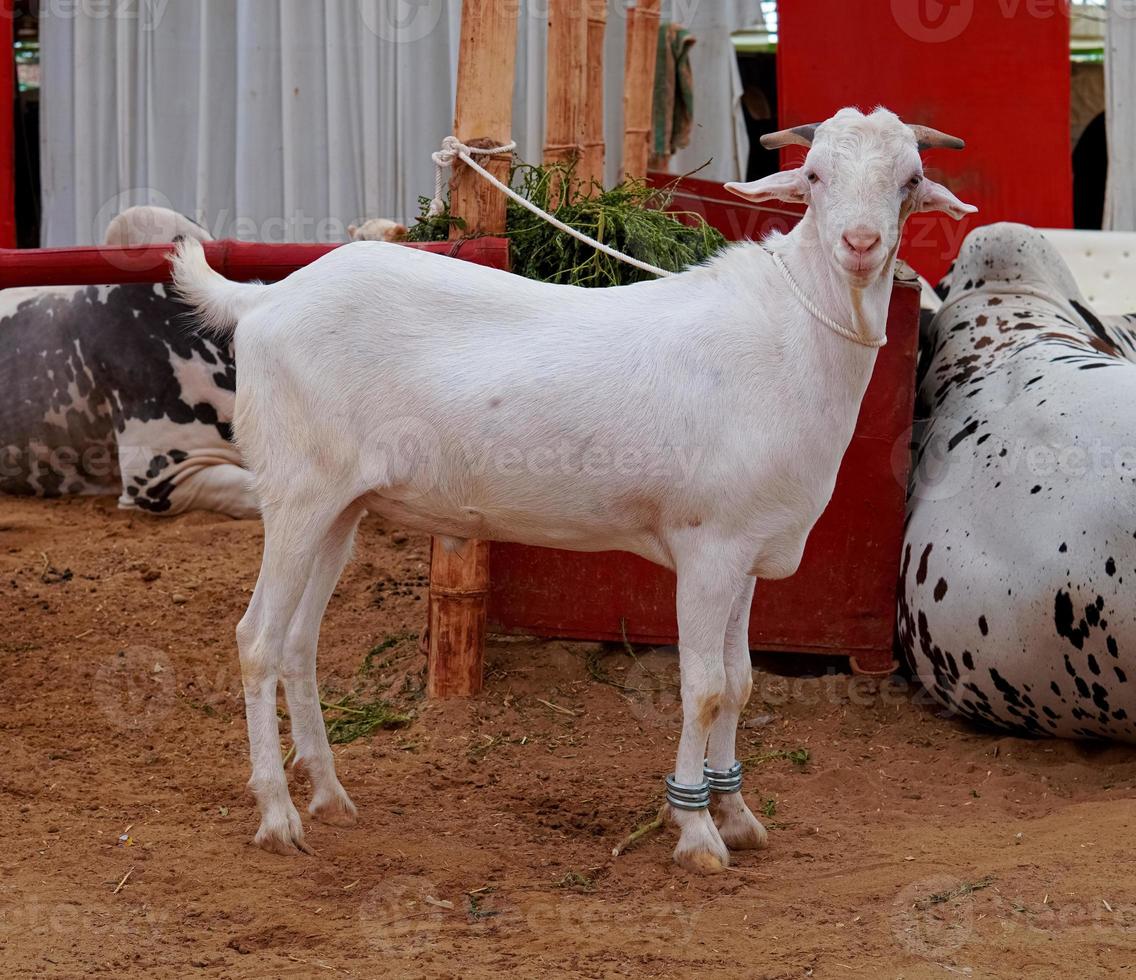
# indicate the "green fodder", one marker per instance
pixel 352 717
pixel 630 217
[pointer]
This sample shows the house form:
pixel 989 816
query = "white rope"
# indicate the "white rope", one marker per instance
pixel 837 328
pixel 453 149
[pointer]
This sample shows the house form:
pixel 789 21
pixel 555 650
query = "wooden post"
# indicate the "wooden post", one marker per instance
pixel 639 85
pixel 459 585
pixel 567 83
pixel 592 161
pixel 483 116
pixel 484 112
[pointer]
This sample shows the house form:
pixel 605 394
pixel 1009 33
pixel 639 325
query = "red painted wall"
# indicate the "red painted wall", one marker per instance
pixel 995 72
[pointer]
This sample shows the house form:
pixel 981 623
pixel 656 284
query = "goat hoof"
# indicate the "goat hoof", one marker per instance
pixel 739 829
pixel 337 810
pixel 701 861
pixel 743 832
pixel 282 835
pixel 700 848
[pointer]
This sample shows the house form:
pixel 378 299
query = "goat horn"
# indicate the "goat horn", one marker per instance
pixel 798 136
pixel 930 139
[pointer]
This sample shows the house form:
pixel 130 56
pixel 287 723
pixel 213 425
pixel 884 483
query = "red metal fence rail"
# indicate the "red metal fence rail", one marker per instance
pixel 100 265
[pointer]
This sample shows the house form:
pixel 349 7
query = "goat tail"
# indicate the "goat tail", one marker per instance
pixel 218 301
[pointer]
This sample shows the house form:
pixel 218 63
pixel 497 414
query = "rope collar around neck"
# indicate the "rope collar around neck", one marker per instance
pixel 837 328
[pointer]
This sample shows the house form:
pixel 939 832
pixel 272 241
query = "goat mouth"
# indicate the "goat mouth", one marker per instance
pixel 861 270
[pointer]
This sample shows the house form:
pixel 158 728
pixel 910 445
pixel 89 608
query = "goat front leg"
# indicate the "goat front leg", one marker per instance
pixel 739 828
pixel 330 802
pixel 706 594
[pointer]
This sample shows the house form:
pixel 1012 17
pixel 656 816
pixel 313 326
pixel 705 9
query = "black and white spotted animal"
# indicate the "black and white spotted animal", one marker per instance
pixel 1020 554
pixel 107 389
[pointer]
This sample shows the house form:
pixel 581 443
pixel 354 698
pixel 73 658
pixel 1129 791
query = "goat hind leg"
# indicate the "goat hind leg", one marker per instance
pixel 739 828
pixel 330 802
pixel 291 539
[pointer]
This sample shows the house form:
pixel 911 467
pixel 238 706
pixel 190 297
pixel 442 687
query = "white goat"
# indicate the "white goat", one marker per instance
pixel 697 420
pixel 151 225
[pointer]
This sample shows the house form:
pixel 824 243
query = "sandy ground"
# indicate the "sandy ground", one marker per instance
pixel 905 846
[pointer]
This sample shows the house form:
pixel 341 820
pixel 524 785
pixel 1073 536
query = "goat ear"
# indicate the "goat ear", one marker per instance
pixel 351 229
pixel 785 185
pixel 936 197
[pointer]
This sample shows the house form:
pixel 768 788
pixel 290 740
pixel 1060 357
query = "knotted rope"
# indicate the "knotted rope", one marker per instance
pixel 453 149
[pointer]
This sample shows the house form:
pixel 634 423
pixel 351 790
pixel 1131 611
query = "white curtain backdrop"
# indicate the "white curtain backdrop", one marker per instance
pixel 1120 83
pixel 719 128
pixel 285 120
pixel 276 120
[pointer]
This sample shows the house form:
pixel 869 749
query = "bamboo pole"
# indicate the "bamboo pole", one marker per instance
pixel 639 85
pixel 592 161
pixel 483 116
pixel 567 83
pixel 459 587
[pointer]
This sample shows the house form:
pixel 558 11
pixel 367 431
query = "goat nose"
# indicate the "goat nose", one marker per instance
pixel 861 240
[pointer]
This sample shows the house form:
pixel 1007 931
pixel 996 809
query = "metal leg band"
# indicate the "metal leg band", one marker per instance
pixel 723 780
pixel 686 797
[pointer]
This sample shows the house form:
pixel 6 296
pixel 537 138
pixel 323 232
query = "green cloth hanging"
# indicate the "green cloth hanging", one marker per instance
pixel 673 111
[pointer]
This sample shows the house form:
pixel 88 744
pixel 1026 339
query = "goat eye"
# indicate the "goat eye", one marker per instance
pixel 915 181
pixel 812 177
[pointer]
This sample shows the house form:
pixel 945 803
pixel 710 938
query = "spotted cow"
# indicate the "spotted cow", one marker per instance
pixel 108 389
pixel 1019 560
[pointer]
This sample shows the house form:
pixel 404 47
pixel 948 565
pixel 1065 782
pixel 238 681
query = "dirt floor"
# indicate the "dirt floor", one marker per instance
pixel 902 844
